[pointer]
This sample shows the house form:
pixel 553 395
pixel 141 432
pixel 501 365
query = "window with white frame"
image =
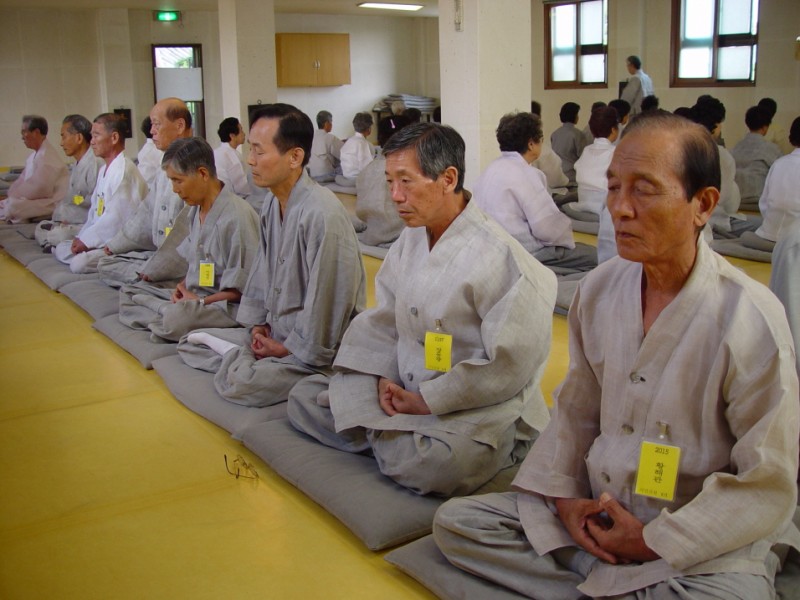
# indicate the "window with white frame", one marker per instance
pixel 576 44
pixel 714 42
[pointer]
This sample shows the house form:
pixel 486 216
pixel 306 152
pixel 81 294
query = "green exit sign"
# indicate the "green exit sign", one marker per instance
pixel 166 15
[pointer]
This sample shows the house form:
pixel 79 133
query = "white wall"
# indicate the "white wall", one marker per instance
pixel 387 55
pixel 197 27
pixel 48 66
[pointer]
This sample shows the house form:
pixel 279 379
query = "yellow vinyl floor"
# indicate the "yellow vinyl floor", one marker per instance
pixel 110 488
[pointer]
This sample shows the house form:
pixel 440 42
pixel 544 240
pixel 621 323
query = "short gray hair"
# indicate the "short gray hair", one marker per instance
pixel 187 155
pixel 362 121
pixel 437 147
pixel 323 117
pixel 79 124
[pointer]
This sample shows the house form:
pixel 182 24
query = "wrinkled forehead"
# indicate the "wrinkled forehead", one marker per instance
pixel 403 162
pixel 159 113
pixel 264 130
pixel 647 151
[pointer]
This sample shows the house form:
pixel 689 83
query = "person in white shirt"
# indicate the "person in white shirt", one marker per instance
pixel 119 191
pixel 323 164
pixel 515 195
pixel 639 85
pixel 230 164
pixel 780 200
pixel 357 152
pixel 591 167
pixel 149 158
pixel 43 181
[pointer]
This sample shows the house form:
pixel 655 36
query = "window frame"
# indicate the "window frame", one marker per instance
pixel 580 50
pixel 719 41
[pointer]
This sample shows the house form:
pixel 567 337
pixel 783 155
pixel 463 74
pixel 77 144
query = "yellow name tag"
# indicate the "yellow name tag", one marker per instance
pixel 101 206
pixel 167 231
pixel 77 200
pixel 658 471
pixel 206 274
pixel 437 351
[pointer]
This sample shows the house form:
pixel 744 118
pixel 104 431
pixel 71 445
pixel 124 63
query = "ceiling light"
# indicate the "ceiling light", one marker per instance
pixel 388 6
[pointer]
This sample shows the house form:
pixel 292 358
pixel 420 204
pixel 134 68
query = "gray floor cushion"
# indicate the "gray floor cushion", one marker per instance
pixel 374 251
pixel 585 227
pixel 381 513
pixel 423 561
pixel 136 343
pixel 93 296
pixel 579 215
pixel 750 206
pixel 13 231
pixel 342 189
pixel 24 251
pixel 195 389
pixel 737 249
pixel 566 290
pixel 56 274
pixel 562 199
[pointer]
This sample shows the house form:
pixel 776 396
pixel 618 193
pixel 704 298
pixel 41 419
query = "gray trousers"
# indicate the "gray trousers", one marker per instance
pixel 564 261
pixel 119 269
pixel 147 307
pixel 424 461
pixel 239 376
pixel 483 536
pixel 738 227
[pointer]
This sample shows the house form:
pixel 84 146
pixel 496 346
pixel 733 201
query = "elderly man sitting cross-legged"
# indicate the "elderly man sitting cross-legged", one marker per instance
pixel 669 469
pixel 441 380
pixel 219 249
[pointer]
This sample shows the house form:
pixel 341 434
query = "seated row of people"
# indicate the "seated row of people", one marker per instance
pixel 630 488
pixel 754 153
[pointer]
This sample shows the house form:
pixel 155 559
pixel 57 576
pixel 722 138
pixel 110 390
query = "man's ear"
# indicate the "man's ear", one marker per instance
pixel 707 199
pixel 450 178
pixel 297 154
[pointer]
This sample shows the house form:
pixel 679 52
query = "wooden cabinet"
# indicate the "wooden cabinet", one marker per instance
pixel 312 59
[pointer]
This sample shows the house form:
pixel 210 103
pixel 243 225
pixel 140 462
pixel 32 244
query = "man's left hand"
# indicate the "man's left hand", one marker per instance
pixel 181 294
pixel 621 534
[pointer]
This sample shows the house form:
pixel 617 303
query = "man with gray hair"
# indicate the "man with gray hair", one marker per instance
pixel 70 214
pixel 219 249
pixel 356 152
pixel 323 164
pixel 441 380
pixel 639 85
pixel 129 252
pixel 669 468
pixel 118 194
pixel 43 181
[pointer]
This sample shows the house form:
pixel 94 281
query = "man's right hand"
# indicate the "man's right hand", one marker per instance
pixel 574 514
